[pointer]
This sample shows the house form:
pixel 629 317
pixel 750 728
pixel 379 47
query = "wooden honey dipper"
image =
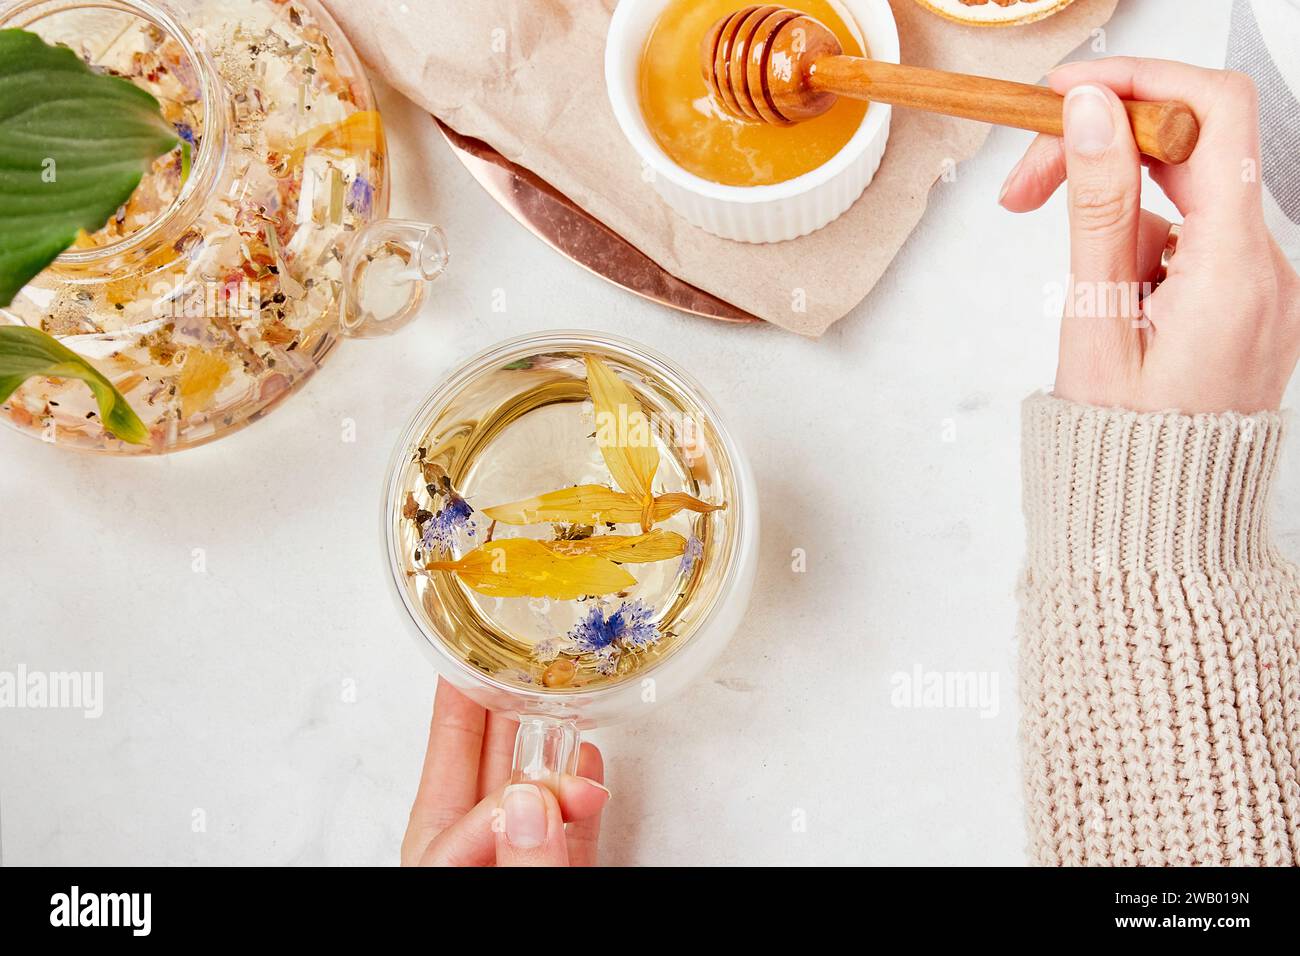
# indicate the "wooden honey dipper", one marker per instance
pixel 776 65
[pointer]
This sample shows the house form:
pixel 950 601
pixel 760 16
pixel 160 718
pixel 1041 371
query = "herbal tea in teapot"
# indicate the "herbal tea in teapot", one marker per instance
pixel 217 288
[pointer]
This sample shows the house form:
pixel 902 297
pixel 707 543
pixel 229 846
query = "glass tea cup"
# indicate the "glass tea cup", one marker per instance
pixel 543 575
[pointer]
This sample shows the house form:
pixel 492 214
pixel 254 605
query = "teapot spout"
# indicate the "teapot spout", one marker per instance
pixel 387 267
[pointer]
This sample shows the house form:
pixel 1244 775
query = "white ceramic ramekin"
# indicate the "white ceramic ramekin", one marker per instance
pixel 773 213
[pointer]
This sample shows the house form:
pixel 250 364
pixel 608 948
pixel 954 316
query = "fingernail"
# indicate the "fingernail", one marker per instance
pixel 1089 123
pixel 1006 184
pixel 571 787
pixel 525 816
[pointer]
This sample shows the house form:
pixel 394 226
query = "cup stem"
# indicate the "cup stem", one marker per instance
pixel 545 748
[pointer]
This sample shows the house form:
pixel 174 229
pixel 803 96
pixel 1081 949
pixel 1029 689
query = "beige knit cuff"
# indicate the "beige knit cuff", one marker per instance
pixel 1106 488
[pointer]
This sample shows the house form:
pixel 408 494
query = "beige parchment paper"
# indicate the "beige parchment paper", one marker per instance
pixel 527 76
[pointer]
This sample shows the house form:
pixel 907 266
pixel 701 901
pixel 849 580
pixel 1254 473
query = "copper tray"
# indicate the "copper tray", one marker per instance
pixel 576 234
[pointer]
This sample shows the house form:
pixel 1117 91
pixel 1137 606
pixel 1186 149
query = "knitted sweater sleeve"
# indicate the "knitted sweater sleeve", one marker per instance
pixel 1159 666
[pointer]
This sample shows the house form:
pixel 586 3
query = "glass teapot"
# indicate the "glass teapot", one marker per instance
pixel 218 289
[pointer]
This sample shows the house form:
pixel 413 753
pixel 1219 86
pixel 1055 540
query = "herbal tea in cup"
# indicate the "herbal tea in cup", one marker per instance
pixel 569 524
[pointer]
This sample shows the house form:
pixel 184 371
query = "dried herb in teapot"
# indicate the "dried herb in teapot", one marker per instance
pixel 74 145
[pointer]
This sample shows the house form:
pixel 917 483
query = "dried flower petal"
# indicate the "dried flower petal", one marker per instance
pixel 582 504
pixel 522 567
pixel 631 626
pixel 594 504
pixel 625 548
pixel 443 529
pixel 200 378
pixel 359 132
pixel 623 431
pixel 694 550
pixel 607 661
pixel 361 196
pixel 547 649
pixel 668 505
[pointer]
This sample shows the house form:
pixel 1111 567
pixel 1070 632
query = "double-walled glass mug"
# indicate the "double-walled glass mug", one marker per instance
pixel 573 532
pixel 241 258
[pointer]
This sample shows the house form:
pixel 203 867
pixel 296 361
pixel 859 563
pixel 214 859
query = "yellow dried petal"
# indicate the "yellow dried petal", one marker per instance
pixel 359 132
pixel 522 567
pixel 200 378
pixel 626 548
pixel 623 431
pixel 127 384
pixel 668 505
pixel 582 504
pixel 596 504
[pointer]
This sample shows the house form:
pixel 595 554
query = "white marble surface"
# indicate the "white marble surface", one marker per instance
pixel 223 690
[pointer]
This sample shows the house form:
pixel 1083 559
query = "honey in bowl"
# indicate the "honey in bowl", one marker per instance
pixel 700 136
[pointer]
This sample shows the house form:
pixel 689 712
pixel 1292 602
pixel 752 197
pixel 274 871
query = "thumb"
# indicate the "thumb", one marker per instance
pixel 1099 333
pixel 531 831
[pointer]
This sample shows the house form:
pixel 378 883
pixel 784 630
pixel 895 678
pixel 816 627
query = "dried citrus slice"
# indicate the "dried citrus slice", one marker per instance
pixel 995 13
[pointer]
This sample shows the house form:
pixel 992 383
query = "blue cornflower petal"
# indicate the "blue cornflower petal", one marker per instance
pixel 547 649
pixel 607 661
pixel 593 632
pixel 694 548
pixel 630 626
pixel 444 527
pixel 361 196
pixel 638 628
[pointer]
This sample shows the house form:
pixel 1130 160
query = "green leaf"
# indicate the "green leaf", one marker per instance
pixel 73 147
pixel 25 352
